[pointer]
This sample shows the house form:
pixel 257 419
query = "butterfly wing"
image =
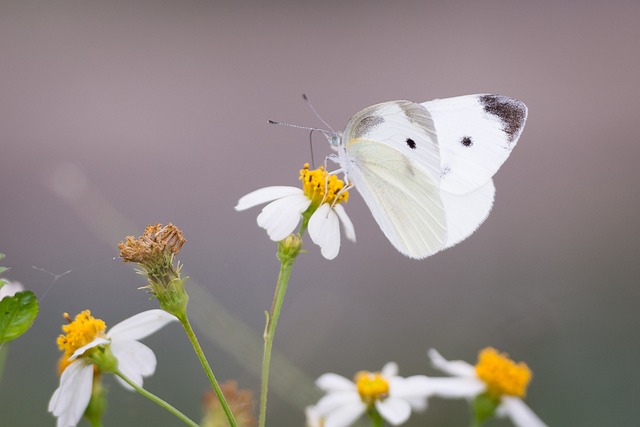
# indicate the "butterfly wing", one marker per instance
pixel 425 169
pixel 465 212
pixel 403 199
pixel 391 156
pixel 476 134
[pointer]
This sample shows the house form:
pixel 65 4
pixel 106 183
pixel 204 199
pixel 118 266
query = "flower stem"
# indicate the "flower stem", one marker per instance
pixel 157 400
pixel 203 360
pixel 286 254
pixel 3 358
pixel 376 418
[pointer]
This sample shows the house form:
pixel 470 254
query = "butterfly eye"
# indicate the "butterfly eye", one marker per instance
pixel 411 143
pixel 466 141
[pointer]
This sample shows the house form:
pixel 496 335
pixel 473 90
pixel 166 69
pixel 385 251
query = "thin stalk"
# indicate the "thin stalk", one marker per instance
pixel 270 329
pixel 376 418
pixel 157 400
pixel 184 320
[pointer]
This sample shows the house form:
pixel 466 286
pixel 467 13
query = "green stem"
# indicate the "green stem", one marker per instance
pixel 4 350
pixel 270 327
pixel 157 400
pixel 376 418
pixel 203 360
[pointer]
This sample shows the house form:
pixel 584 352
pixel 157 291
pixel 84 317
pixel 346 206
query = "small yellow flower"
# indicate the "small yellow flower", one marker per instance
pixel 391 396
pixel 502 375
pixel 89 349
pixel 318 204
pixel 495 376
pixel 321 187
pixel 79 332
pixel 371 386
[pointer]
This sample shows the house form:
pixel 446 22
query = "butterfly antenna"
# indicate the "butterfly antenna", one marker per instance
pixel 273 122
pixel 310 129
pixel 304 96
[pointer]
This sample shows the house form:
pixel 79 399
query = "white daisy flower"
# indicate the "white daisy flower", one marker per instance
pixel 132 358
pixel 10 289
pixel 317 204
pixel 391 396
pixel 495 375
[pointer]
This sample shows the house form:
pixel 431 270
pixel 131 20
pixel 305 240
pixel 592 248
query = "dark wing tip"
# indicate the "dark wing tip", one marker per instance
pixel 512 113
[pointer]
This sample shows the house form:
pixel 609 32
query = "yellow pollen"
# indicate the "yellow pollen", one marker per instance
pixel 79 332
pixel 371 386
pixel 321 187
pixel 502 375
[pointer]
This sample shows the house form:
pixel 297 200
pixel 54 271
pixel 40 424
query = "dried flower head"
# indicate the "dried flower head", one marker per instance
pixel 154 252
pixel 157 240
pixel 240 401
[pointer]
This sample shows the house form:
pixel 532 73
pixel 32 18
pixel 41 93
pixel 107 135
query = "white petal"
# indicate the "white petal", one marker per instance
pixel 519 413
pixel 336 400
pixel 135 360
pixel 347 225
pixel 140 325
pixel 265 195
pixel 10 289
pixel 416 389
pixel 96 342
pixel 312 417
pixel 454 388
pixel 281 217
pixel 71 398
pixel 456 368
pixel 346 415
pixel 334 382
pixel 390 369
pixel 324 230
pixel 394 410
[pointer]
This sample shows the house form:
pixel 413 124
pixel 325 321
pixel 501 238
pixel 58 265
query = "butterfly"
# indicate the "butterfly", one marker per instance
pixel 425 169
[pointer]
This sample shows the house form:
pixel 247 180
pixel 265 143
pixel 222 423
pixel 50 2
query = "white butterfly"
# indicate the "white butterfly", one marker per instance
pixel 425 169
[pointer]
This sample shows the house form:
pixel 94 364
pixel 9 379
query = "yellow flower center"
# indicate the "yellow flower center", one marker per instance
pixel 79 332
pixel 321 187
pixel 501 374
pixel 371 386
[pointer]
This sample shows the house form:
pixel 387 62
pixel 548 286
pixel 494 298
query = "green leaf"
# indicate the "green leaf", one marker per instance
pixel 17 314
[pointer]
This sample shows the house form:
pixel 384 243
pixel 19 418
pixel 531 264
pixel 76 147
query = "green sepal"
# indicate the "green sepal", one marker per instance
pixel 484 408
pixel 17 314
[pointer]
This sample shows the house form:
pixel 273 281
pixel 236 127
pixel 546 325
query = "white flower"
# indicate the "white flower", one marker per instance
pixel 313 419
pixel 287 204
pixel 10 289
pixel 135 361
pixel 392 396
pixel 468 383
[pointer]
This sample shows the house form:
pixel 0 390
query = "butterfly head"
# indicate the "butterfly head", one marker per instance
pixel 334 139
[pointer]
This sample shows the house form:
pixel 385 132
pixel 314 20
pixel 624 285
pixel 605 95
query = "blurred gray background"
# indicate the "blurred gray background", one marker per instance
pixel 118 114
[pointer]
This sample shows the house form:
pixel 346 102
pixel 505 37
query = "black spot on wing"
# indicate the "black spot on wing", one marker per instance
pixel 466 141
pixel 511 112
pixel 411 143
